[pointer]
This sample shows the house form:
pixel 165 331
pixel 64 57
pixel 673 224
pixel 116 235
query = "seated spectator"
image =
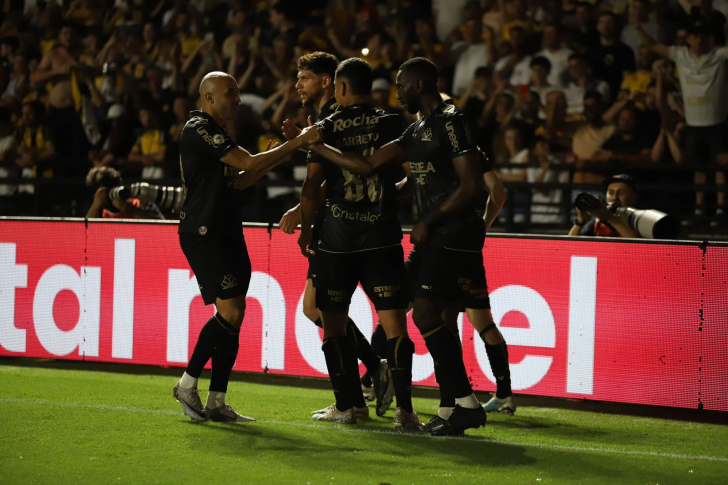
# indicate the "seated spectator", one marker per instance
pixel 625 145
pixel 102 180
pixel 545 203
pixel 557 55
pixel 540 70
pixel 36 153
pixel 557 130
pixel 585 35
pixel 589 138
pixel 474 99
pixel 150 147
pixel 581 81
pixel 517 154
pixel 621 192
pixel 381 91
pixel 637 82
pixel 8 167
pixel 516 66
pixel 119 139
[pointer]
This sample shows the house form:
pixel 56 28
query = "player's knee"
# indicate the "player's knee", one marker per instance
pixel 425 320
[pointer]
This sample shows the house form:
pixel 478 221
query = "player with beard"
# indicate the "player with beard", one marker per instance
pixel 359 241
pixel 446 165
pixel 211 236
pixel 316 87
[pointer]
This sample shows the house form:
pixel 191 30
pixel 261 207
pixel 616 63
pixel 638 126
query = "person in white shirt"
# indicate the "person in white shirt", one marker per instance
pixel 581 81
pixel 471 54
pixel 517 153
pixel 557 55
pixel 703 70
pixel 516 67
pixel 640 15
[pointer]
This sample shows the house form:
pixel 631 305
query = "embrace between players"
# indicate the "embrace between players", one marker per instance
pixel 360 160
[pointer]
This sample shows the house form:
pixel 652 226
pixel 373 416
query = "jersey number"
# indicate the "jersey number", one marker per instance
pixel 354 185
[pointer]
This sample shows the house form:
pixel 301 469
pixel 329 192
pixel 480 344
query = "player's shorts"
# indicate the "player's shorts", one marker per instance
pixel 447 274
pixel 220 263
pixel 380 271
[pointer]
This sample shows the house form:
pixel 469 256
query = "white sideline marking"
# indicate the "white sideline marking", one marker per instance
pixel 379 431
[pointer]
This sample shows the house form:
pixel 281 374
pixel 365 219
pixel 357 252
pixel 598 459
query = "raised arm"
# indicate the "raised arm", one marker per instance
pixel 651 43
pixel 241 159
pixel 389 154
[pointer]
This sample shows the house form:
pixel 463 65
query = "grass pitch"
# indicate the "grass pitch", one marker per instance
pixel 62 423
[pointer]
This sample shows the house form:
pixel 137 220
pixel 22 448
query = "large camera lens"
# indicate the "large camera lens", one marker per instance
pixel 586 202
pixel 119 193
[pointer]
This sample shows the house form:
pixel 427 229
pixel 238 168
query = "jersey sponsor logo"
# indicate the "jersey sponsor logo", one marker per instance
pixel 362 120
pixel 229 281
pixel 427 135
pixel 453 139
pixel 386 291
pixel 420 171
pixel 213 141
pixel 368 217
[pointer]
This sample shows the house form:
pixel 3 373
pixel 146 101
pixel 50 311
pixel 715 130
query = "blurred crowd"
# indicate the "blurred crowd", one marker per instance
pixel 561 93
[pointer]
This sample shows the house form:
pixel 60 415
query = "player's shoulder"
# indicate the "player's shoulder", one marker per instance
pixel 449 111
pixel 200 127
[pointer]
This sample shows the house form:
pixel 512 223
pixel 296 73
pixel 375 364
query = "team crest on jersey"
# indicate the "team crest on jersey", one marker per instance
pixel 229 281
pixel 202 230
pixel 427 135
pixel 218 139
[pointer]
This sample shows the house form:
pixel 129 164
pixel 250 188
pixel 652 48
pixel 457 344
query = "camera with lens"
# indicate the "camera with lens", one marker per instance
pixel 586 202
pixel 167 198
pixel 119 193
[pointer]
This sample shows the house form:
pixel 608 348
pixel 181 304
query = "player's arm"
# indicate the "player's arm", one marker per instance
pixel 406 186
pixel 241 159
pixel 496 197
pixel 292 218
pixel 310 203
pixel 467 167
pixel 389 154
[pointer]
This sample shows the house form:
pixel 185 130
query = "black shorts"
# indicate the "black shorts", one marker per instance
pixel 380 271
pixel 447 274
pixel 221 264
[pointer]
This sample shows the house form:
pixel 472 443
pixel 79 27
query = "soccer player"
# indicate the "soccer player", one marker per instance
pixel 359 241
pixel 316 87
pixel 211 236
pixel 449 237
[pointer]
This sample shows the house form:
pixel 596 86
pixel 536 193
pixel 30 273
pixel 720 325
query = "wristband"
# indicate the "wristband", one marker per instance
pixel 577 223
pixel 433 217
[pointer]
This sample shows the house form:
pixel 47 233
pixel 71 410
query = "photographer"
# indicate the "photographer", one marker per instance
pixel 113 204
pixel 602 220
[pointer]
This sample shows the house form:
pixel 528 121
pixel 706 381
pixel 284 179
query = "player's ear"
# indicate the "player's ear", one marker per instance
pixel 326 81
pixel 344 88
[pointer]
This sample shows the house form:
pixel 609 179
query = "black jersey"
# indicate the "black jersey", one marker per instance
pixel 360 212
pixel 211 203
pixel 431 145
pixel 328 109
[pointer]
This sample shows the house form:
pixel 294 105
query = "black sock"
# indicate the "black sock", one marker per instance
pixel 447 395
pixel 223 360
pixel 352 349
pixel 498 358
pixel 379 341
pixel 446 351
pixel 334 351
pixel 364 351
pixel 318 323
pixel 211 334
pixel 399 358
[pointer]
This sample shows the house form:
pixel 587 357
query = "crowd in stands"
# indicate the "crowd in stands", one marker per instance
pixel 561 93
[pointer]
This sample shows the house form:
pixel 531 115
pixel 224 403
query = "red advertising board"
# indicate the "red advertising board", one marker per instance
pixel 643 323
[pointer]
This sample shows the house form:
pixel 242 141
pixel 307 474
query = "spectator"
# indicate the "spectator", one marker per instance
pixel 557 130
pixel 703 72
pixel 36 153
pixel 516 66
pixel 470 54
pixel 150 147
pixel 589 138
pixel 625 145
pixel 517 154
pixel 381 90
pixel 621 192
pixel 540 70
pixel 637 82
pixel 545 203
pixel 447 15
pixel 610 57
pixel 557 55
pixel 585 36
pixel 581 81
pixel 8 167
pixel 640 15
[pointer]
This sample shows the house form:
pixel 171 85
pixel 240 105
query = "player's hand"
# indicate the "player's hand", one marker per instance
pixel 290 220
pixel 603 213
pixel 290 130
pixel 304 241
pixel 312 134
pixel 419 234
pixel 271 145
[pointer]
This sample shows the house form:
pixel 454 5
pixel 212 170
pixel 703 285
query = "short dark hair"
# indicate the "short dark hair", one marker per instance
pixel 576 56
pixel 593 94
pixel 541 61
pixel 358 73
pixel 421 68
pixel 320 63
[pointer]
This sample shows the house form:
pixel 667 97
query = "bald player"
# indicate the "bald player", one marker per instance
pixel 214 170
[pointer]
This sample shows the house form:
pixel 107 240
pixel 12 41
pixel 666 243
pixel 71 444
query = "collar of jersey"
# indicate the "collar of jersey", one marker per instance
pixel 201 114
pixel 441 107
pixel 356 106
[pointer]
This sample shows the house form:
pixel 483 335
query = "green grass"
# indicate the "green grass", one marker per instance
pixel 64 425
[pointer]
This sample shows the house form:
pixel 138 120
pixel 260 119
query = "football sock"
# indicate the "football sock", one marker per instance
pixel 223 357
pixel 364 351
pixel 334 348
pixel 498 357
pixel 399 358
pixel 352 366
pixel 446 351
pixel 470 402
pixel 187 381
pixel 215 399
pixel 379 341
pixel 445 411
pixel 366 380
pixel 212 333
